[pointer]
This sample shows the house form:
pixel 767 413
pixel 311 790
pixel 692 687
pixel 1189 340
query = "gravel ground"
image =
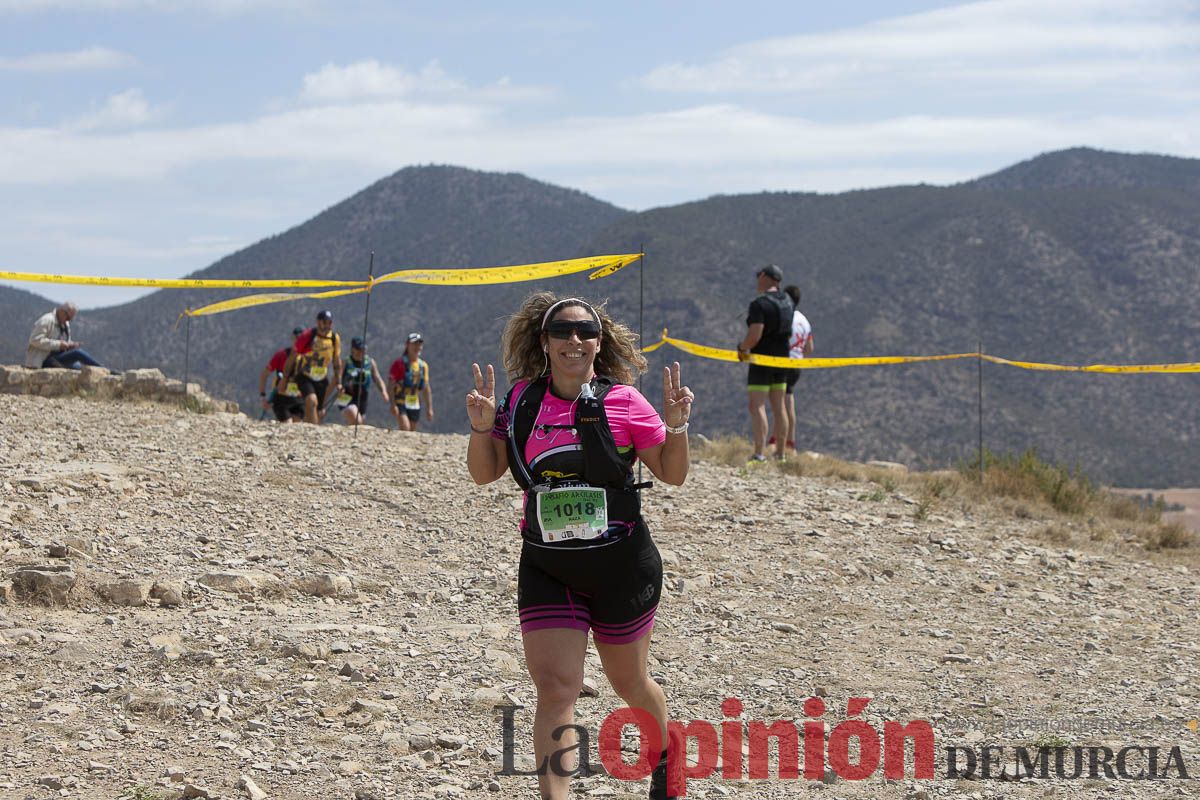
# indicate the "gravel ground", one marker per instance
pixel 326 616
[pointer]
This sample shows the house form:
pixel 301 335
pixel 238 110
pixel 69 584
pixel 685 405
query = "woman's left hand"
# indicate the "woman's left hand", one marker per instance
pixel 677 400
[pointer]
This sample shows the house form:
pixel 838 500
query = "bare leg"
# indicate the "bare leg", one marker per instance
pixel 554 657
pixel 625 666
pixel 776 396
pixel 789 407
pixel 311 409
pixel 758 420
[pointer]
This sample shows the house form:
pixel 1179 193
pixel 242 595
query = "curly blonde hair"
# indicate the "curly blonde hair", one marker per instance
pixel 521 345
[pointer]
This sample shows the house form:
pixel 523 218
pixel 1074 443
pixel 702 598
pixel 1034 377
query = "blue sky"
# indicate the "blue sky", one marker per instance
pixel 152 137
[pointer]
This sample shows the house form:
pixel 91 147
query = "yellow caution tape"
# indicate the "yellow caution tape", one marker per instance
pixel 651 348
pixel 826 363
pixel 264 299
pixel 602 266
pixel 163 283
pixel 1106 368
pixel 478 276
pixel 717 354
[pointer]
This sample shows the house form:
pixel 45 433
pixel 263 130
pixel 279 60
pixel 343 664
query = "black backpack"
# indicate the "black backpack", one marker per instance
pixel 785 309
pixel 604 466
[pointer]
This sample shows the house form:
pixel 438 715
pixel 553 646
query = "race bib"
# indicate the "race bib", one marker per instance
pixel 292 390
pixel 412 401
pixel 344 399
pixel 318 373
pixel 572 512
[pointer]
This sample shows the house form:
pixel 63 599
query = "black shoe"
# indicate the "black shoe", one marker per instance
pixel 667 779
pixel 658 780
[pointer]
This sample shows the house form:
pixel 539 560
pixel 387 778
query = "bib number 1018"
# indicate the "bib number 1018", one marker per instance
pixel 573 509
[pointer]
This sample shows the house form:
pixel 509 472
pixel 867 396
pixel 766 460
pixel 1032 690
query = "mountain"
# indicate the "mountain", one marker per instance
pixel 418 217
pixel 1083 167
pixel 1079 256
pixel 1066 275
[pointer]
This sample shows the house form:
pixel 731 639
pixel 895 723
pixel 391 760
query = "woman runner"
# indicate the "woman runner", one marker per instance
pixel 570 429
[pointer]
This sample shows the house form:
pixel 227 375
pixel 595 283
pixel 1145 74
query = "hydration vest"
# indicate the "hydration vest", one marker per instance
pixel 321 351
pixel 417 380
pixel 603 464
pixel 357 377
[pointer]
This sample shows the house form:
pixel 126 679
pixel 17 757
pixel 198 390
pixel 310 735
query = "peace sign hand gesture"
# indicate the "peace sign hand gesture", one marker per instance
pixel 481 401
pixel 677 400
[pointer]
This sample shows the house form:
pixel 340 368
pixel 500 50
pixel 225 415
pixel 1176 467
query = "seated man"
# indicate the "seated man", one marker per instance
pixel 50 343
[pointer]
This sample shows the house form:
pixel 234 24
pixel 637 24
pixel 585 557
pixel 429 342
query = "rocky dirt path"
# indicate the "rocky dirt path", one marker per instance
pixel 293 611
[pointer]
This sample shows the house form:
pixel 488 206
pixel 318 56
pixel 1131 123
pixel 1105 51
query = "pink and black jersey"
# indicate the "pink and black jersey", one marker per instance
pixel 553 451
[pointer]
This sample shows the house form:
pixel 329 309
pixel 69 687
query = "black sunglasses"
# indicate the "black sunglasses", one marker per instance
pixel 562 329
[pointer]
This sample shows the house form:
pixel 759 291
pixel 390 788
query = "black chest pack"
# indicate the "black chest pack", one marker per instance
pixel 604 466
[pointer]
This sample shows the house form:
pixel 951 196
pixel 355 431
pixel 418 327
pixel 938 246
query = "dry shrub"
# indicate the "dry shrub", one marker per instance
pixel 731 451
pixel 1055 534
pixel 796 467
pixel 1025 485
pixel 1028 477
pixel 821 466
pixel 1132 508
pixel 1171 536
pixel 942 485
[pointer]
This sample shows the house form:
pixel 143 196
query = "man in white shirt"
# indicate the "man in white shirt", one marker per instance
pixel 801 345
pixel 50 343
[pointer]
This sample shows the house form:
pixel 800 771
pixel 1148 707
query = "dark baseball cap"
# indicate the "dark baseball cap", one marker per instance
pixel 325 315
pixel 415 337
pixel 356 343
pixel 296 331
pixel 771 271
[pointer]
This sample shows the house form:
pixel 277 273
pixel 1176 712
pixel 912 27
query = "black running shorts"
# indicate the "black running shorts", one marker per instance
pixel 612 590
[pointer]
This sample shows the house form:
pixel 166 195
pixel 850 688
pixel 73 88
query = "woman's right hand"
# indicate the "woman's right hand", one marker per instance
pixel 481 401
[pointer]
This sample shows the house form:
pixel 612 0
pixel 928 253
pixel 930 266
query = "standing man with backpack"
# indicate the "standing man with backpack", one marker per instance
pixel 768 333
pixel 408 380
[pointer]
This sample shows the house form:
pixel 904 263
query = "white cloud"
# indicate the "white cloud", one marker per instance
pixel 715 139
pixel 128 109
pixel 1052 41
pixel 87 60
pixel 373 80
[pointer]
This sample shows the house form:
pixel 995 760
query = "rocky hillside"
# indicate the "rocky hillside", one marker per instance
pixel 194 605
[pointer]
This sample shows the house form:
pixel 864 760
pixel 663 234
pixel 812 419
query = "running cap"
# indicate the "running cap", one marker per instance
pixel 296 331
pixel 356 343
pixel 415 337
pixel 771 271
pixel 325 316
pixel 574 300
